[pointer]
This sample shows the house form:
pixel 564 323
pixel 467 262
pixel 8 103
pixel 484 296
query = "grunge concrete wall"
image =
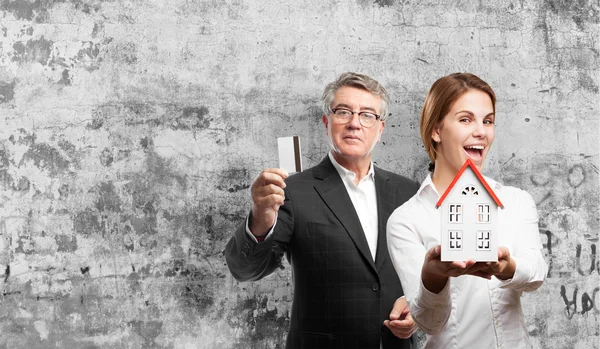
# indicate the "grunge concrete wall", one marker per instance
pixel 130 132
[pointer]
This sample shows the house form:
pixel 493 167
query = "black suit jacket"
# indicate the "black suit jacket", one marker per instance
pixel 341 296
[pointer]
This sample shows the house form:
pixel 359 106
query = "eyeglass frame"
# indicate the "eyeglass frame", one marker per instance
pixel 359 113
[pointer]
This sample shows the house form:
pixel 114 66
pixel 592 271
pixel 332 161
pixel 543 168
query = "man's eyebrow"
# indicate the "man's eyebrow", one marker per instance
pixel 342 105
pixel 369 108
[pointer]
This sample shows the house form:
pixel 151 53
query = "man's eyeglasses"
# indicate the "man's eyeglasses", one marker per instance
pixel 343 116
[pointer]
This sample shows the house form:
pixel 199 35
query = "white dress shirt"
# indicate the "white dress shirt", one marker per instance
pixel 364 199
pixel 470 312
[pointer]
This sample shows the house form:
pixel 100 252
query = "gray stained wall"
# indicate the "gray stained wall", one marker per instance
pixel 131 131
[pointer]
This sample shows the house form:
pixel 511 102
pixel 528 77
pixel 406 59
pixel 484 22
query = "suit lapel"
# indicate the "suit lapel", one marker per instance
pixel 385 207
pixel 333 192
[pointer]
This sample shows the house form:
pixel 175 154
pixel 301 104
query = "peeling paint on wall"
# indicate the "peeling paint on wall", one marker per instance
pixel 7 91
pixel 34 50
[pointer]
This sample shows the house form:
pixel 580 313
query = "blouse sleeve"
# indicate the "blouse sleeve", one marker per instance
pixel 430 311
pixel 531 268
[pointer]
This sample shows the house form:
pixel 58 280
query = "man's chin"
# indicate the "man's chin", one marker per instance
pixel 352 153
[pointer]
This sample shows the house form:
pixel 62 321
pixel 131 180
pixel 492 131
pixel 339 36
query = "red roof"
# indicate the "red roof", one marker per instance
pixel 470 164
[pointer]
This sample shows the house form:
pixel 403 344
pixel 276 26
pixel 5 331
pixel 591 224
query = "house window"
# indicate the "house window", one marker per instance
pixel 455 213
pixel 469 190
pixel 483 213
pixel 455 240
pixel 483 240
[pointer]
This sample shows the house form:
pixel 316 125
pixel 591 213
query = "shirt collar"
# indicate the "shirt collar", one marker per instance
pixel 427 190
pixel 345 173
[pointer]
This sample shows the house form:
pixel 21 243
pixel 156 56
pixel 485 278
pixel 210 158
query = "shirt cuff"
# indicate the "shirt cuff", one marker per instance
pixel 521 280
pixel 519 274
pixel 258 239
pixel 431 311
pixel 430 300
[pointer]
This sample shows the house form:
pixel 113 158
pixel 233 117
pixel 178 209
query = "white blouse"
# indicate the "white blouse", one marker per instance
pixel 470 312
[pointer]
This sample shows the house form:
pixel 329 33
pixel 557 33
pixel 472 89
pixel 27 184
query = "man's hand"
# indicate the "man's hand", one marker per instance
pixel 267 197
pixel 401 322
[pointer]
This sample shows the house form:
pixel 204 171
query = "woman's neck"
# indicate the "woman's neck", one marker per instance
pixel 442 177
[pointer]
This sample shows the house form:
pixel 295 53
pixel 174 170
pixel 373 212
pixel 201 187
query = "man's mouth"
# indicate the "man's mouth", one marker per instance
pixel 475 152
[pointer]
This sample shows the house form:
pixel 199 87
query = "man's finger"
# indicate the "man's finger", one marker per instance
pixel 407 323
pixel 262 191
pixel 276 199
pixel 402 328
pixel 279 172
pixel 266 178
pixel 268 201
pixel 270 189
pixel 282 172
pixel 404 314
pixel 400 306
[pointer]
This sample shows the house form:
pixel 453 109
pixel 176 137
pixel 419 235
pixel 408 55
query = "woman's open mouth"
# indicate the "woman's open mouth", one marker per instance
pixel 475 152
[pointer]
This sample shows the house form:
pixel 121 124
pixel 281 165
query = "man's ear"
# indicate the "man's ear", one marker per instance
pixel 381 131
pixel 325 121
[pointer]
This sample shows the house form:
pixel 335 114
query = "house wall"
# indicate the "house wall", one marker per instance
pixel 469 225
pixel 131 131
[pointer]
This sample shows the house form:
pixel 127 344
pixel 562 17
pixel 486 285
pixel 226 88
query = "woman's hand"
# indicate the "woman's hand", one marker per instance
pixel 505 267
pixel 435 273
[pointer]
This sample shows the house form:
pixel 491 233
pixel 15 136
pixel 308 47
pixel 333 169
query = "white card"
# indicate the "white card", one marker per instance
pixel 290 158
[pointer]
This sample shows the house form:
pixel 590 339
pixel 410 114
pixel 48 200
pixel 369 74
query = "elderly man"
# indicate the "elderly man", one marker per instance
pixel 330 222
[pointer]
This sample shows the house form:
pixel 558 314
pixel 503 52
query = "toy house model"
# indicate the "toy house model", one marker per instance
pixel 469 218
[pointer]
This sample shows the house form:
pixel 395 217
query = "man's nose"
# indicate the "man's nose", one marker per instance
pixel 355 121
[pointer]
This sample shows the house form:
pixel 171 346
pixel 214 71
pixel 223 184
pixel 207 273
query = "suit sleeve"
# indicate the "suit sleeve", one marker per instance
pixel 249 260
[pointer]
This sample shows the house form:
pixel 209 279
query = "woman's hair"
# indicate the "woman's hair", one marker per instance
pixel 360 81
pixel 442 94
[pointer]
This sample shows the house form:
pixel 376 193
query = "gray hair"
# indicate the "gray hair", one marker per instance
pixel 360 81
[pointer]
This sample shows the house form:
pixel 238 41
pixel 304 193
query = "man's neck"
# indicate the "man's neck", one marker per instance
pixel 360 166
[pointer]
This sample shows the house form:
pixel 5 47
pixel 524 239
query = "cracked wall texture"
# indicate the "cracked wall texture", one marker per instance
pixel 131 131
